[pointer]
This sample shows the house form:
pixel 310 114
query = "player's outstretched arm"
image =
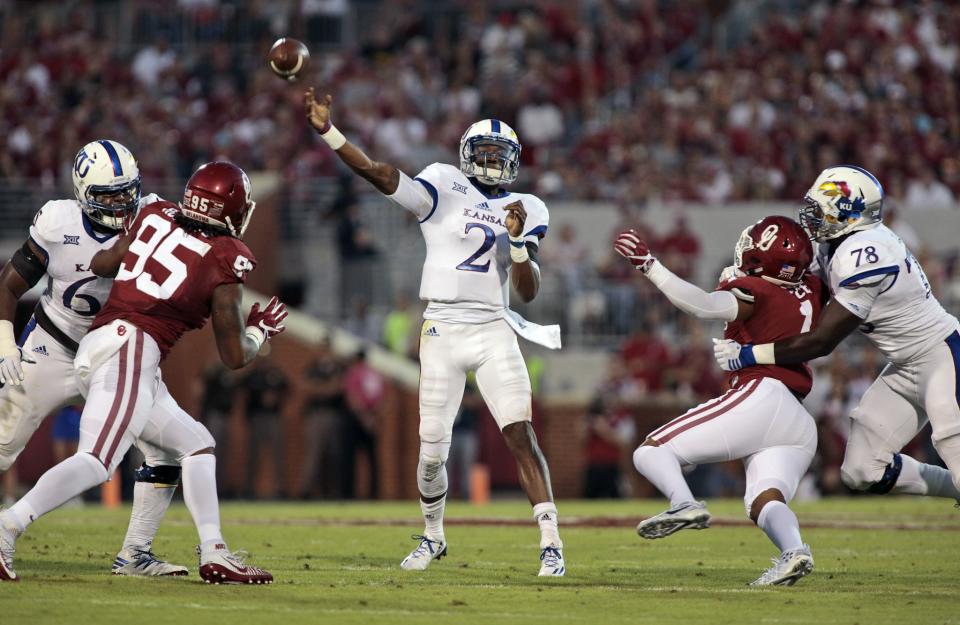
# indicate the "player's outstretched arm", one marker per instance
pixel 835 325
pixel 106 263
pixel 691 299
pixel 383 176
pixel 237 341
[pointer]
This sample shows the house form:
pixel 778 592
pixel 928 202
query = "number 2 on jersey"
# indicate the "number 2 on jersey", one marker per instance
pixel 489 238
pixel 160 246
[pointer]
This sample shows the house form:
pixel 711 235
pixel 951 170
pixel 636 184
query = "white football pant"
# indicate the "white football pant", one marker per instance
pixel 127 399
pixel 447 352
pixel 897 406
pixel 47 385
pixel 761 422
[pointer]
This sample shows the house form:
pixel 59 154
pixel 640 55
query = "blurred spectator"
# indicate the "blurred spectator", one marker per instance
pixel 324 422
pixel 610 435
pixel 925 192
pixel 365 391
pixel 216 406
pixel 400 327
pixel 679 248
pixel 266 393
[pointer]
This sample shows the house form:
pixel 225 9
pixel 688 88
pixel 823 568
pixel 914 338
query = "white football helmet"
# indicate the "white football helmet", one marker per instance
pixel 491 166
pixel 843 199
pixel 106 181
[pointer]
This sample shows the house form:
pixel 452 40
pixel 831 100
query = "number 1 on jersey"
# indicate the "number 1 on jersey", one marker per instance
pixel 806 309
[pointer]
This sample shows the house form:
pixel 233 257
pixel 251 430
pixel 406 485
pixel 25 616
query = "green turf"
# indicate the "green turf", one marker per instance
pixel 330 572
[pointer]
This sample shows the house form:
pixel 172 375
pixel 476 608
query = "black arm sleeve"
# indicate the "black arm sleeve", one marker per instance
pixel 532 251
pixel 30 266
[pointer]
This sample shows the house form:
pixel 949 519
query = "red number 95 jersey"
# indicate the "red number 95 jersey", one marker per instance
pixel 167 277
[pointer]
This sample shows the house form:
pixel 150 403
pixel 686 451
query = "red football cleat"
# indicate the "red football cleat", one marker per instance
pixel 221 566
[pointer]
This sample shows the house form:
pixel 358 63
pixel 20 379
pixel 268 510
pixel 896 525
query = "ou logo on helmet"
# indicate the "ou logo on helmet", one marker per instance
pixel 768 236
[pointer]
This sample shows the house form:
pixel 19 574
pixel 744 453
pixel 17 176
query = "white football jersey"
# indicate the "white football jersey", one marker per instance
pixel 74 295
pixel 466 273
pixel 874 276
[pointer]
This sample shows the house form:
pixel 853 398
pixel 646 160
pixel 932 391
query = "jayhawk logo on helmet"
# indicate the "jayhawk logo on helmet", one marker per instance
pixel 842 200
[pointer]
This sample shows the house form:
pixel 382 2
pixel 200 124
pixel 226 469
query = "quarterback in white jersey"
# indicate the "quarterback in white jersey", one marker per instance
pixel 38 370
pixel 878 286
pixel 480 239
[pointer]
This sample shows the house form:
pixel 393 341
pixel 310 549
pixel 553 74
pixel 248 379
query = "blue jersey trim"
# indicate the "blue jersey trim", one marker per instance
pixel 26 331
pixel 539 231
pixel 432 190
pixel 114 157
pixel 871 272
pixel 96 236
pixel 953 342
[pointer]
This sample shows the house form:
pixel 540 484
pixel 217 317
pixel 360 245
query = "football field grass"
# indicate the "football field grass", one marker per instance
pixel 878 560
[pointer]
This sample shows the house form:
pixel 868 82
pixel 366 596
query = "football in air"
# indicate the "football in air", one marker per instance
pixel 288 57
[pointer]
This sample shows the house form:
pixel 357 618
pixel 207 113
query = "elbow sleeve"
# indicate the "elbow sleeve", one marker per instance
pixel 692 299
pixel 30 266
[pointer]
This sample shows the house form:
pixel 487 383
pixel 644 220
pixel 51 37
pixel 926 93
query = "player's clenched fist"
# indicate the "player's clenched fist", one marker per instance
pixel 516 217
pixel 318 111
pixel 263 325
pixel 629 245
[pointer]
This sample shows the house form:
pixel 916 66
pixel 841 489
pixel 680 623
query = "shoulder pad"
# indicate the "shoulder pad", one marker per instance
pixel 54 216
pixel 437 173
pixel 864 260
pixel 746 288
pixel 538 217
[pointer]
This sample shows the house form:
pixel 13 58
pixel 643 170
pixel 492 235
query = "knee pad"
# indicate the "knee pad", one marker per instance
pixel 437 433
pixel 98 473
pixel 431 475
pixel 870 477
pixel 163 475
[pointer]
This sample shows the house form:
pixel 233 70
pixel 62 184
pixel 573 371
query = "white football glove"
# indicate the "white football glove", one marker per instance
pixel 11 356
pixel 731 272
pixel 732 356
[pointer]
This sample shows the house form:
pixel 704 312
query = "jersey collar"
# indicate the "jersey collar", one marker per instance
pixel 502 193
pixel 96 236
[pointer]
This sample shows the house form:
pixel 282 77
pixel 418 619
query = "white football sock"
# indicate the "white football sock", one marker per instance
pixel 433 518
pixel 150 503
pixel 780 524
pixel 58 485
pixel 659 465
pixel 917 478
pixel 200 495
pixel 545 515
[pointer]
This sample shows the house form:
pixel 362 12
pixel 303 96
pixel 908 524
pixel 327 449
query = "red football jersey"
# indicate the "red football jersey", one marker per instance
pixel 167 277
pixel 779 312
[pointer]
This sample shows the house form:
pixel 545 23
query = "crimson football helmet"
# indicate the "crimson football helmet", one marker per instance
pixel 777 249
pixel 218 194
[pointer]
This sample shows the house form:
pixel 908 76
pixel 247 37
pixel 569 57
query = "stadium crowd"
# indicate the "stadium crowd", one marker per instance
pixel 616 100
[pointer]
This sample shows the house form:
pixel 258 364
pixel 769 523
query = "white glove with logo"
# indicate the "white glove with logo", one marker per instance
pixel 11 371
pixel 732 356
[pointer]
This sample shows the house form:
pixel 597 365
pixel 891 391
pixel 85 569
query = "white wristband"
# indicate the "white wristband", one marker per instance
pixel 8 344
pixel 764 354
pixel 518 250
pixel 256 335
pixel 334 138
